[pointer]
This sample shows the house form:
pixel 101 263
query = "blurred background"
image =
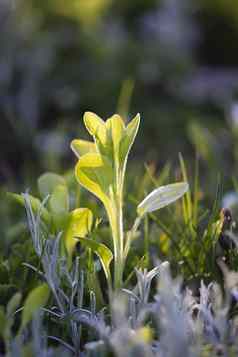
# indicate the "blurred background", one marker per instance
pixel 174 61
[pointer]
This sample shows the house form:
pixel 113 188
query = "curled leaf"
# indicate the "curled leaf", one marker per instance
pixel 82 147
pixel 95 173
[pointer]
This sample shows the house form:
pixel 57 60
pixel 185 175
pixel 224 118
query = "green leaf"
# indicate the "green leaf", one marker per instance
pixel 129 137
pixel 59 207
pixel 59 200
pixel 115 131
pixel 36 299
pixel 80 224
pixel 162 197
pixel 95 126
pixel 3 321
pixel 36 205
pixel 82 147
pixel 11 309
pixel 13 304
pixel 48 182
pixel 102 251
pixel 95 173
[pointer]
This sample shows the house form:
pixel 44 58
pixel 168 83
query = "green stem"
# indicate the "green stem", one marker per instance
pixel 119 242
pixel 116 223
pixel 146 241
pixel 131 236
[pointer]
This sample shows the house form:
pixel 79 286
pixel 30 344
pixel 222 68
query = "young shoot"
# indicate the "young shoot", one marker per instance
pixel 101 170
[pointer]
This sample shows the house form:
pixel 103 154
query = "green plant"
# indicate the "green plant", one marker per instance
pixel 54 210
pixel 63 303
pixel 101 169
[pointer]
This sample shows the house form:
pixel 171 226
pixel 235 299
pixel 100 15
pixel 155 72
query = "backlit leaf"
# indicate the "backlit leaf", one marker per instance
pixel 162 197
pixel 95 174
pixel 101 250
pixel 95 126
pixel 80 224
pixel 115 131
pixel 82 147
pixel 129 137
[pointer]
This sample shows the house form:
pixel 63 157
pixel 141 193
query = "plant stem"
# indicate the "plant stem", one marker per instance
pixel 146 240
pixel 119 242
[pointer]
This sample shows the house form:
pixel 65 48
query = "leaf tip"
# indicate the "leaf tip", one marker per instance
pixel 73 147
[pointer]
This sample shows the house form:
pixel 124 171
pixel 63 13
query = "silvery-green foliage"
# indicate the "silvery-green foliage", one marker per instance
pixel 16 348
pixel 94 321
pixel 125 338
pixel 36 226
pixel 38 346
pixel 170 321
pixel 183 324
pixel 139 307
pixel 55 272
pixel 144 279
pixel 174 317
pixel 125 342
pixel 39 340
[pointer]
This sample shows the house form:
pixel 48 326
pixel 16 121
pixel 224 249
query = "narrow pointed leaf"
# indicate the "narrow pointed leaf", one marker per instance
pixel 162 197
pixel 102 251
pixel 129 137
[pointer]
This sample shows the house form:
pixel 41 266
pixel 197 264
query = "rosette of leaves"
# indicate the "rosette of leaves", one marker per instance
pixel 101 170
